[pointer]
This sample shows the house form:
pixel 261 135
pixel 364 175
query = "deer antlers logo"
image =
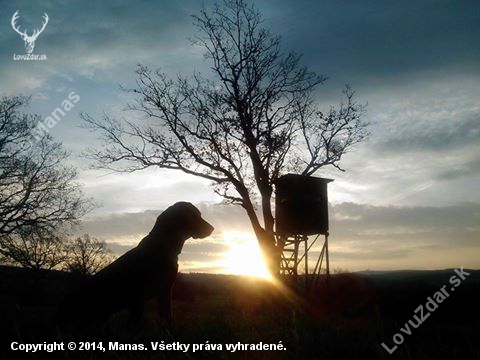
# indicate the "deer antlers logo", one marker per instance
pixel 29 40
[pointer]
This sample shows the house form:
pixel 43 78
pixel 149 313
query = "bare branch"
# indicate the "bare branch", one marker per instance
pixel 36 189
pixel 253 122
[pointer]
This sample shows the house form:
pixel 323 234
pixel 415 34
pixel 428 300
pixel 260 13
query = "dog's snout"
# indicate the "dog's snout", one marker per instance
pixel 205 230
pixel 209 228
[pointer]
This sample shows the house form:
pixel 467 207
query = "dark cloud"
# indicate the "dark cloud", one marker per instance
pixel 371 254
pixel 357 218
pixel 121 225
pixel 358 232
pixel 136 225
pixel 118 249
pixel 353 40
pixel 196 248
pixel 443 134
pixel 460 170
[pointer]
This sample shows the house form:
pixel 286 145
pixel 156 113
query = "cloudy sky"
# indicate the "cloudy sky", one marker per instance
pixel 410 196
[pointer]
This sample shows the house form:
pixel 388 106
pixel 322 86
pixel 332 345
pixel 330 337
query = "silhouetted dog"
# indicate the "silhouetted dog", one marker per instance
pixel 145 273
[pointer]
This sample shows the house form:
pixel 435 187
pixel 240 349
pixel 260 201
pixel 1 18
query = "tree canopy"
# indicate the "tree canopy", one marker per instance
pixel 253 119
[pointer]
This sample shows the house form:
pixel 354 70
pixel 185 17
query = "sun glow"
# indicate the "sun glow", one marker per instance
pixel 244 256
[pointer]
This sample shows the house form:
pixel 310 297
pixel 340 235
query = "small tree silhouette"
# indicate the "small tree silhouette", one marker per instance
pixel 253 121
pixel 87 255
pixel 34 249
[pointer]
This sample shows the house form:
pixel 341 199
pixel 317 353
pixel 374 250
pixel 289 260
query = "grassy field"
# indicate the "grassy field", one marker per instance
pixel 348 317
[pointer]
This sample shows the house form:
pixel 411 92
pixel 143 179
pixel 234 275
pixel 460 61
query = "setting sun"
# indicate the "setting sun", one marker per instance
pixel 244 256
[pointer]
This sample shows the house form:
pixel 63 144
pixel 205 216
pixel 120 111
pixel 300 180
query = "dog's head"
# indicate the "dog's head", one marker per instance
pixel 180 222
pixel 189 220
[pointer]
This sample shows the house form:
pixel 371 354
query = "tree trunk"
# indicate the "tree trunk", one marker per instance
pixel 271 253
pixel 266 240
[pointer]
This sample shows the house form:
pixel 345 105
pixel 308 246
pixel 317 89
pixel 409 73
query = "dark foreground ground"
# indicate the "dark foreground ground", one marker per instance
pixel 348 318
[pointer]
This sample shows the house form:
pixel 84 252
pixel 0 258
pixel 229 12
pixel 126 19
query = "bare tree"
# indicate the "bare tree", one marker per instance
pixel 253 120
pixel 37 191
pixel 34 249
pixel 87 255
